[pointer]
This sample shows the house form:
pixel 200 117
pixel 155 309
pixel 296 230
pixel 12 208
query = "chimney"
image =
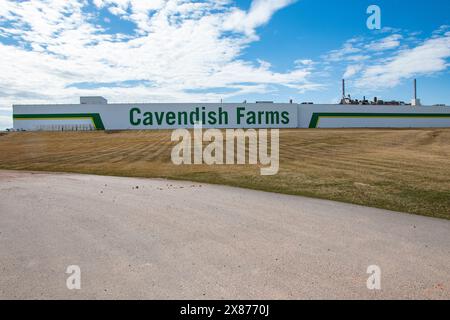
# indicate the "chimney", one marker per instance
pixel 415 102
pixel 415 89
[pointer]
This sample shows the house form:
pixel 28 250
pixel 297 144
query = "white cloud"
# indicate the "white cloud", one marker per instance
pixel 352 70
pixel 390 42
pixel 348 50
pixel 305 62
pixel 357 49
pixel 177 45
pixel 427 58
pixel 372 64
pixel 259 14
pixel 357 58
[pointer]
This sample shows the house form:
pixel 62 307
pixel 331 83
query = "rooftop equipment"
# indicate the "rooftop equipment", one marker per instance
pixel 93 100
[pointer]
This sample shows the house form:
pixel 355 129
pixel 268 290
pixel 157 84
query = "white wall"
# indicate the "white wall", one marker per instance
pixel 117 116
pixel 356 116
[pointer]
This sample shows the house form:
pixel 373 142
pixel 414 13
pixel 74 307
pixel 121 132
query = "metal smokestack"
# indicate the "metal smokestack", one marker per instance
pixel 343 88
pixel 415 89
pixel 416 101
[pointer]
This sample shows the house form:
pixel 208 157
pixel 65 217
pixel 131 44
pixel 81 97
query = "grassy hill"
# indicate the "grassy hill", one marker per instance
pixel 403 170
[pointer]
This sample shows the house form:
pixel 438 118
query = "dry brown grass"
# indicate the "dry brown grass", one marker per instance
pixel 403 170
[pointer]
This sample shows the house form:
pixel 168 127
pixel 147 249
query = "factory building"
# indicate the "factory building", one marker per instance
pixel 95 113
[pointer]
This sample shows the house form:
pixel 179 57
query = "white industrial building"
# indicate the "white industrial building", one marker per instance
pixel 94 113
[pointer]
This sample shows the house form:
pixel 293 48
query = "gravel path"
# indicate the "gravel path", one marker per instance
pixel 157 239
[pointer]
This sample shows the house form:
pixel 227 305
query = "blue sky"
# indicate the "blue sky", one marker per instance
pixel 205 51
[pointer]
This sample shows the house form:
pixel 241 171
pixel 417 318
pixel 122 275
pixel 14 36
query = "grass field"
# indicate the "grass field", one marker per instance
pixel 402 170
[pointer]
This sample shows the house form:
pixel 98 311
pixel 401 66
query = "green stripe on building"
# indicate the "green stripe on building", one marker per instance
pixel 317 116
pixel 94 117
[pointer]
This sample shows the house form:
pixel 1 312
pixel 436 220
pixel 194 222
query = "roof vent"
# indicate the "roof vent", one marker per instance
pixel 93 100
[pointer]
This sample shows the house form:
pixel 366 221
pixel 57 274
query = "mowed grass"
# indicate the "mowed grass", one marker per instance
pixel 401 170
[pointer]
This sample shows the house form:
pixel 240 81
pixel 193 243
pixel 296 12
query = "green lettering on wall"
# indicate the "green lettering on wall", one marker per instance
pixel 251 118
pixel 148 119
pixel 133 121
pixel 171 118
pixel 240 114
pixel 285 117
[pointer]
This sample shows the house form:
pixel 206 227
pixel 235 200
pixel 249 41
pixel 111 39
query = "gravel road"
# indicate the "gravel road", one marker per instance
pixel 157 239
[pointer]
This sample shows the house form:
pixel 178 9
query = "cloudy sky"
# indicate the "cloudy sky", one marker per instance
pixel 53 51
